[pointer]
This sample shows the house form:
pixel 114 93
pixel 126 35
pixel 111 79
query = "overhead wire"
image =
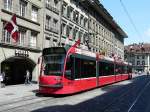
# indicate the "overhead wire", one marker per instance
pixel 131 20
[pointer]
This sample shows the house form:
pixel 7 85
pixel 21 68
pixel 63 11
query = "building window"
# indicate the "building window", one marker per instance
pixel 56 3
pixel 68 11
pixel 75 34
pixel 23 8
pixel 69 32
pixel 33 39
pixel 8 5
pixel 90 24
pixel 80 35
pixel 48 2
pixel 34 14
pixel 48 22
pixel 47 42
pixel 93 26
pixel 138 57
pixel 64 9
pixel 22 36
pixel 138 62
pixel 143 57
pixel 6 35
pixel 81 20
pixel 63 29
pixel 71 13
pixel 54 42
pixel 55 23
pixel 143 62
pixel 85 23
pixel 97 43
pixel 85 38
pixel 76 17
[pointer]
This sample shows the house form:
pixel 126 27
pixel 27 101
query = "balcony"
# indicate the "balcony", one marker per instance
pixel 11 44
pixel 53 9
pixel 51 29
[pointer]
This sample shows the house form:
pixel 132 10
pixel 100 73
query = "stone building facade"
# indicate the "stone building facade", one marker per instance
pixel 139 56
pixel 47 23
pixel 16 58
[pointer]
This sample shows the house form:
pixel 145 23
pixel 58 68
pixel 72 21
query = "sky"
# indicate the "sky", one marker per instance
pixel 139 11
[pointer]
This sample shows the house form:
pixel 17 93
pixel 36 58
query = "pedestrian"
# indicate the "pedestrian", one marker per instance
pixel 1 79
pixel 147 73
pixel 3 75
pixel 27 77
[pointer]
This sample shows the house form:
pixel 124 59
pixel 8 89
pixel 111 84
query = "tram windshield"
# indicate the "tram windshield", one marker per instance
pixel 53 60
pixel 53 64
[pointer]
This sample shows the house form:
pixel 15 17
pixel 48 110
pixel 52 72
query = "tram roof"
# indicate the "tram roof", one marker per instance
pixel 87 54
pixel 93 55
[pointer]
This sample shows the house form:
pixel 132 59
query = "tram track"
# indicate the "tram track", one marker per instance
pixel 23 103
pixel 15 100
pixel 28 101
pixel 115 102
pixel 138 97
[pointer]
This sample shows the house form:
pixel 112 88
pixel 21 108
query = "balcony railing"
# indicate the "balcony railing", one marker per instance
pixel 54 30
pixel 55 10
pixel 19 45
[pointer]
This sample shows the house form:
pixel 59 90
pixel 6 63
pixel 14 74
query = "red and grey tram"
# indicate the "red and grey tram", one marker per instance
pixel 65 72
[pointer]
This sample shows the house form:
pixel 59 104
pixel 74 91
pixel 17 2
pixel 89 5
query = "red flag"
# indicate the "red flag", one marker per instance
pixel 12 28
pixel 72 48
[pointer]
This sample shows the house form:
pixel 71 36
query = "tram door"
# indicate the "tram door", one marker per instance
pixel 97 73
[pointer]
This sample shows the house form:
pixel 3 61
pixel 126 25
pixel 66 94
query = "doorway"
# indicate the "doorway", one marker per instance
pixel 15 69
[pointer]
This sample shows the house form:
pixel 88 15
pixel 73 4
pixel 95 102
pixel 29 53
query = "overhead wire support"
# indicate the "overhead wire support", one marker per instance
pixel 130 19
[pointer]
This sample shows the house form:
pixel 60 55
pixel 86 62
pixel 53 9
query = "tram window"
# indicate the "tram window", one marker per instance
pixel 125 69
pixel 106 68
pixel 129 69
pixel 84 68
pixel 69 68
pixel 53 69
pixel 77 68
pixel 88 68
pixel 119 69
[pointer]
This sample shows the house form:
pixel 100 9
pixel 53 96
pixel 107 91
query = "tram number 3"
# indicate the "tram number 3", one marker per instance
pixel 21 53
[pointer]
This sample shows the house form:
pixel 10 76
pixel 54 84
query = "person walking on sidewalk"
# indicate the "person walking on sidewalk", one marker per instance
pixel 147 73
pixel 2 77
pixel 27 77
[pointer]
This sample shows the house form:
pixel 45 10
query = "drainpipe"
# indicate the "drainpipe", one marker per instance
pixel 61 3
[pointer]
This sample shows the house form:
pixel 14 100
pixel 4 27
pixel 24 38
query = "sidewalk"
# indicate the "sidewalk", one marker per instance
pixel 137 75
pixel 17 91
pixel 12 92
pixel 134 75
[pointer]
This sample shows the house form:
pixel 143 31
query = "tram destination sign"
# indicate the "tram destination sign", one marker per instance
pixel 19 52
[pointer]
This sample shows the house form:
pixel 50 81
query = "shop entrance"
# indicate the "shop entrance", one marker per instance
pixel 15 69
